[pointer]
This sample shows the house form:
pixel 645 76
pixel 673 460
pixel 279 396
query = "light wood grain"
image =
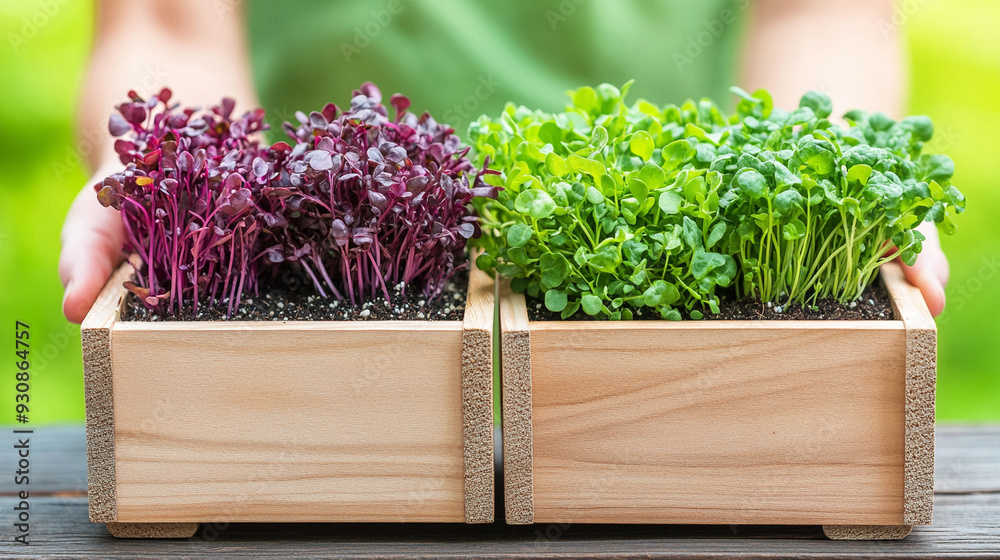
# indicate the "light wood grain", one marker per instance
pixel 921 382
pixel 289 422
pixel 783 422
pixel 967 460
pixel 666 424
pixel 477 397
pixel 108 306
pixel 303 421
pixel 515 344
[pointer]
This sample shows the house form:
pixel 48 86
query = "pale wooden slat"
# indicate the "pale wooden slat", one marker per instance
pixel 515 343
pixel 108 305
pixel 907 301
pixel 306 422
pixel 626 327
pixel 661 423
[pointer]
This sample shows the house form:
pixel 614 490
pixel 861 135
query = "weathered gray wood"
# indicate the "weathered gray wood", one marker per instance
pixel 58 460
pixel 967 459
pixel 963 525
pixel 966 523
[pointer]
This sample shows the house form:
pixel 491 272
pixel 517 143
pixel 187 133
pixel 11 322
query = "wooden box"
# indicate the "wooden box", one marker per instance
pixel 297 421
pixel 722 422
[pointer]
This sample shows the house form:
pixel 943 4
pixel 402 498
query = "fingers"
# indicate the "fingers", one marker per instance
pixel 91 250
pixel 930 274
pixel 938 264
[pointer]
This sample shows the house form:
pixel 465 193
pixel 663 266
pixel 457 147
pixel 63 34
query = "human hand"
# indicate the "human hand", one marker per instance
pixel 136 46
pixel 930 271
pixel 91 248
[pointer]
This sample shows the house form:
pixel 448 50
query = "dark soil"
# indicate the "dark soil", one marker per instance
pixel 873 305
pixel 298 301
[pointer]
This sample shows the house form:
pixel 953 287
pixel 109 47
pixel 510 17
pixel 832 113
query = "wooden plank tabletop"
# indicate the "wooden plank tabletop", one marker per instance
pixel 966 522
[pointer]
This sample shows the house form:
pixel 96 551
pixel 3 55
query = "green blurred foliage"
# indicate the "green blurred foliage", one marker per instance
pixel 955 72
pixel 955 79
pixel 43 50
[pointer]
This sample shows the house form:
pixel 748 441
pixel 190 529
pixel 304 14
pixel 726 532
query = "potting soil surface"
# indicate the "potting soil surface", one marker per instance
pixel 874 304
pixel 294 300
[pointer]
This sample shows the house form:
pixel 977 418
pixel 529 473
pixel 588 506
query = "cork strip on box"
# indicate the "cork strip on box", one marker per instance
pixel 515 367
pixel 866 532
pixel 152 530
pixel 921 381
pixel 477 397
pixel 95 334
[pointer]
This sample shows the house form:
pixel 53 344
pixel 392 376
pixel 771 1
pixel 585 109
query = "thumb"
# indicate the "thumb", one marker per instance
pixel 91 250
pixel 927 276
pixel 930 271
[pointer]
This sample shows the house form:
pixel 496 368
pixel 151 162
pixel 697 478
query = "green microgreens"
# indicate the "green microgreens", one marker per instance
pixel 612 209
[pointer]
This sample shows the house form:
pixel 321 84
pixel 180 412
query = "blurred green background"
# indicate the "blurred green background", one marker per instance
pixel 955 79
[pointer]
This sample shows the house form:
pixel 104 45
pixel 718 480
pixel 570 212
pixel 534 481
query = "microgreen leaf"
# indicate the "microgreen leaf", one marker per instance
pixel 670 202
pixel 751 182
pixel 641 144
pixel 518 235
pixel 860 173
pixel 819 102
pixel 659 294
pixel 555 268
pixel 591 304
pixel 555 300
pixel 535 203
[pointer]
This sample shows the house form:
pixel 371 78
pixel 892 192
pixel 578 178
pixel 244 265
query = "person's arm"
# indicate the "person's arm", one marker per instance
pixel 850 50
pixel 197 49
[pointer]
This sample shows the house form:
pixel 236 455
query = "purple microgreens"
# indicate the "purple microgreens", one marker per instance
pixel 187 199
pixel 369 202
pixel 357 202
